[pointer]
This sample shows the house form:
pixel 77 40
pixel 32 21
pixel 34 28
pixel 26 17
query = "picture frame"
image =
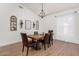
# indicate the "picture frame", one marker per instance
pixel 37 25
pixel 27 24
pixel 13 23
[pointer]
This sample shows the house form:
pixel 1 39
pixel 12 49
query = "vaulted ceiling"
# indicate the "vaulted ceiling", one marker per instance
pixel 50 8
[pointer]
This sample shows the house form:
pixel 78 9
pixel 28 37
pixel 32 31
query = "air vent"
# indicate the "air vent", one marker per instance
pixel 20 6
pixel 75 11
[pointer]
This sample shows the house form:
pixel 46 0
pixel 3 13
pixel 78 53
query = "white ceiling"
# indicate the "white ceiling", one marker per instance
pixel 50 8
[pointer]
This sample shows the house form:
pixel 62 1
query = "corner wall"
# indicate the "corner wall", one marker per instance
pixel 65 32
pixel 7 10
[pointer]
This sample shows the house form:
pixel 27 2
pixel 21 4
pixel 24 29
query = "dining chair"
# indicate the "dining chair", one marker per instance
pixel 50 41
pixel 35 32
pixel 44 40
pixel 27 42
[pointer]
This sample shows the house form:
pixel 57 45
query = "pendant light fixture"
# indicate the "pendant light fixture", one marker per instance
pixel 42 13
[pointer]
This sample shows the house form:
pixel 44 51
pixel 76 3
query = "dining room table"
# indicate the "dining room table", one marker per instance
pixel 36 39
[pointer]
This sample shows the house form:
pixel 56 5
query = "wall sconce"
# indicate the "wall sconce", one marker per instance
pixel 21 23
pixel 33 25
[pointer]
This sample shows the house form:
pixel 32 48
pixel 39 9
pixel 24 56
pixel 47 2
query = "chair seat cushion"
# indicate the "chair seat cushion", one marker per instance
pixel 29 39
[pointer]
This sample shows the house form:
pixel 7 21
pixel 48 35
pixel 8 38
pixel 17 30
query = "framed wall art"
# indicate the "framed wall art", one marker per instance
pixel 13 23
pixel 37 25
pixel 27 24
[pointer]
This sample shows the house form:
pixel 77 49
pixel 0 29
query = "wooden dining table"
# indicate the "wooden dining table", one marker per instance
pixel 36 38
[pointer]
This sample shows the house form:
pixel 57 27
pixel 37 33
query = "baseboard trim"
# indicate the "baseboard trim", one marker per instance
pixel 68 41
pixel 9 43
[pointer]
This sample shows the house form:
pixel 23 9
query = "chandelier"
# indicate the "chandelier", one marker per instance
pixel 42 13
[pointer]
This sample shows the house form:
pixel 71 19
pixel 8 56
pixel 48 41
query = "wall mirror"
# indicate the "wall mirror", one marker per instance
pixel 37 25
pixel 27 24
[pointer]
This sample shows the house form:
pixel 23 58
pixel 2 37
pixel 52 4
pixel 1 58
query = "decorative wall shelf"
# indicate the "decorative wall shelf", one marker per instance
pixel 13 23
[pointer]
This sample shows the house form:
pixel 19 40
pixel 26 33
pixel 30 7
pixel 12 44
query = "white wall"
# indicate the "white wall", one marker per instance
pixel 76 17
pixel 7 10
pixel 65 25
pixel 49 22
